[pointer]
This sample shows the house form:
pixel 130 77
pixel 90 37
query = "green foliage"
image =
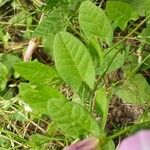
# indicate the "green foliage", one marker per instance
pixel 112 61
pixel 70 98
pixel 52 3
pixel 120 13
pixel 37 96
pixel 110 145
pixel 102 106
pixel 36 72
pixel 38 141
pixel 3 76
pixel 4 37
pixel 72 118
pixel 2 2
pixel 135 90
pixel 73 61
pixel 53 23
pixel 94 22
pixel 9 61
pixel 141 7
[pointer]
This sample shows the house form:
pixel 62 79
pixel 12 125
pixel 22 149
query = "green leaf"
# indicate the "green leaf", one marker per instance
pixel 4 37
pixel 39 141
pixel 94 22
pixel 110 145
pixel 140 6
pixel 145 35
pixel 36 72
pixel 119 12
pixel 37 97
pixel 20 18
pixel 73 62
pixel 9 60
pixel 117 62
pixel 102 106
pixel 72 118
pixel 50 26
pixel 135 90
pixel 3 76
pixel 52 3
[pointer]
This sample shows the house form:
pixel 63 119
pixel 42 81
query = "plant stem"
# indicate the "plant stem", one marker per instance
pixel 104 73
pixel 127 36
pixel 136 68
pixel 100 77
pixel 117 134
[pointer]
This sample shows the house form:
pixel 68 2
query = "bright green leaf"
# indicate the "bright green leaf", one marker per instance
pixel 140 6
pixel 94 22
pixel 102 106
pixel 39 141
pixel 37 97
pixel 117 62
pixel 36 72
pixel 20 18
pixel 4 37
pixel 3 76
pixel 72 118
pixel 9 60
pixel 73 62
pixel 110 145
pixel 119 12
pixel 135 90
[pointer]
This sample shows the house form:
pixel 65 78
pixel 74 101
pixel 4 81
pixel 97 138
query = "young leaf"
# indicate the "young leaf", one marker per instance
pixel 119 12
pixel 117 62
pixel 102 106
pixel 3 76
pixel 72 60
pixel 36 72
pixel 37 97
pixel 72 118
pixel 94 22
pixel 135 90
